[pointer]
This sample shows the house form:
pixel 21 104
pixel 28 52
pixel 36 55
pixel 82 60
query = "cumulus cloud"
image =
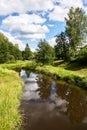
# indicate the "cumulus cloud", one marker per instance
pixel 31 36
pixel 26 25
pixel 24 19
pixel 60 11
pixel 71 3
pixel 58 14
pixel 33 16
pixel 52 41
pixel 21 6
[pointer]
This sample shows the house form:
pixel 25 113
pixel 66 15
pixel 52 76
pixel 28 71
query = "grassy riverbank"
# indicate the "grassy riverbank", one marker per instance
pixel 10 94
pixel 66 75
pixel 69 72
pixel 11 86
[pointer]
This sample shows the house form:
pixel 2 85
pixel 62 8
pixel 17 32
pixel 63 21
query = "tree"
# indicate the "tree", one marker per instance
pixel 3 52
pixel 14 52
pixel 62 47
pixel 76 27
pixel 8 52
pixel 17 53
pixel 3 48
pixel 45 53
pixel 26 53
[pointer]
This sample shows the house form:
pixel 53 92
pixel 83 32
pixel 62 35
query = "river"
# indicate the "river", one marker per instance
pixel 52 105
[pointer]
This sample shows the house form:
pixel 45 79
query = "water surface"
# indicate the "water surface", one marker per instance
pixel 50 105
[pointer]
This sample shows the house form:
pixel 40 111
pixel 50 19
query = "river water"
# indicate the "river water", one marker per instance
pixel 52 105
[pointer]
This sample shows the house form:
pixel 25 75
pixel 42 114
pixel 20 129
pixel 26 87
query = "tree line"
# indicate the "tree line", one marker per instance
pixel 10 52
pixel 69 44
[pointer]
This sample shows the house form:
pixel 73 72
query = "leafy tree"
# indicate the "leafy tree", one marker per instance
pixel 3 52
pixel 14 52
pixel 8 52
pixel 3 48
pixel 45 53
pixel 26 53
pixel 76 27
pixel 81 56
pixel 62 47
pixel 17 53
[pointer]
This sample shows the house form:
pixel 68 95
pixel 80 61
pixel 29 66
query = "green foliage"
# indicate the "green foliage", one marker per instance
pixel 3 52
pixel 8 52
pixel 81 56
pixel 26 53
pixel 62 74
pixel 17 53
pixel 45 53
pixel 10 94
pixel 76 27
pixel 79 78
pixel 62 47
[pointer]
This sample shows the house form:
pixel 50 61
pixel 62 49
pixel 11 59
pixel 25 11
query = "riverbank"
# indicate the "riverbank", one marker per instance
pixel 10 95
pixel 62 74
pixel 70 72
pixel 11 86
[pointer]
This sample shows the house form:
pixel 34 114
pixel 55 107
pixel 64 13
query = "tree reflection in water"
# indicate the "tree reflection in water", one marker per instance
pixel 76 99
pixel 77 103
pixel 44 84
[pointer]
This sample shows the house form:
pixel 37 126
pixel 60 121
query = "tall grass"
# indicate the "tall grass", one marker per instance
pixel 10 94
pixel 66 75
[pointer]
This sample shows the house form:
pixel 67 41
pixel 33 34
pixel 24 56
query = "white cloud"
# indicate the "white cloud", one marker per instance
pixel 24 19
pixel 58 14
pixel 31 36
pixel 14 40
pixel 21 6
pixel 32 26
pixel 52 41
pixel 26 26
pixel 60 11
pixel 71 3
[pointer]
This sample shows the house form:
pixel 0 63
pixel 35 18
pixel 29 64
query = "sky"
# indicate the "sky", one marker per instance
pixel 28 21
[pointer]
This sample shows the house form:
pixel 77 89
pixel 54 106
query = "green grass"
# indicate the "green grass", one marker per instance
pixel 20 64
pixel 11 86
pixel 10 95
pixel 69 72
pixel 75 67
pixel 66 75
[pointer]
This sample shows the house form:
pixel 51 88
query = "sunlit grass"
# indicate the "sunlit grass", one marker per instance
pixel 10 94
pixel 66 75
pixel 20 64
pixel 70 72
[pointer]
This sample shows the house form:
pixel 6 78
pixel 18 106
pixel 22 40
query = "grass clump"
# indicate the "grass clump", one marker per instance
pixel 10 94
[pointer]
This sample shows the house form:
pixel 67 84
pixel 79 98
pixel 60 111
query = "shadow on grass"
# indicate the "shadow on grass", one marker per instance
pixel 60 62
pixel 75 66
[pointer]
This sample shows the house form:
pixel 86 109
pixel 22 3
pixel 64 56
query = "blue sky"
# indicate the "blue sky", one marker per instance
pixel 28 21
